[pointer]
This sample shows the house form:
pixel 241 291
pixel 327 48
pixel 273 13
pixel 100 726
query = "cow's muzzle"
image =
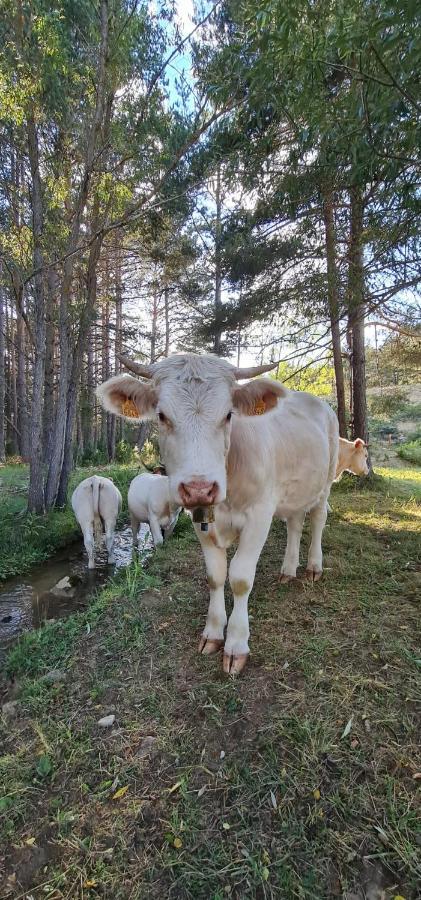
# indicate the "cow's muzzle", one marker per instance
pixel 198 493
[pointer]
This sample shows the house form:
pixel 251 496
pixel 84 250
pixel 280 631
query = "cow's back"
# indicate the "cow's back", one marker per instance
pixel 287 457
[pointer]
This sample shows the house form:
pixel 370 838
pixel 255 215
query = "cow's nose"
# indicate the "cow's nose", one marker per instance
pixel 198 493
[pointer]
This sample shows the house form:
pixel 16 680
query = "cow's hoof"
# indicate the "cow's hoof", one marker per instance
pixel 310 575
pixel 285 579
pixel 234 664
pixel 207 646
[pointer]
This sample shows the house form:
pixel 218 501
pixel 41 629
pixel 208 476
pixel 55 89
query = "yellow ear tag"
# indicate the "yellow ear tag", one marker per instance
pixel 259 408
pixel 129 409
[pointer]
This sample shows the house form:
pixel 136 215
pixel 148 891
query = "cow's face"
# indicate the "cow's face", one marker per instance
pixel 194 399
pixel 360 458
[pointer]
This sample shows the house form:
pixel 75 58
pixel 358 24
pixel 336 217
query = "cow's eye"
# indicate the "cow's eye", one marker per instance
pixel 162 418
pixel 229 415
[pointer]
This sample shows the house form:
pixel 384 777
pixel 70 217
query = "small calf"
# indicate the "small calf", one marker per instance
pixel 149 501
pixel 96 503
pixel 352 457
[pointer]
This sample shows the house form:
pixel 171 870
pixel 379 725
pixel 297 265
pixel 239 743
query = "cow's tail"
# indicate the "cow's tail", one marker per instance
pixel 96 487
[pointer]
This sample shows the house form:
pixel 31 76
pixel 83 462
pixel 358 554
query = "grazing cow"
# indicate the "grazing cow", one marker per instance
pixel 238 455
pixel 352 457
pixel 96 503
pixel 149 501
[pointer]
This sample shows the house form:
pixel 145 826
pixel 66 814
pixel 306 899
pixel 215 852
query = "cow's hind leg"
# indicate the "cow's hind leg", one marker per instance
pixel 318 516
pixel 155 529
pixel 216 568
pixel 241 576
pixel 135 530
pixel 109 539
pixel 292 552
pixel 88 540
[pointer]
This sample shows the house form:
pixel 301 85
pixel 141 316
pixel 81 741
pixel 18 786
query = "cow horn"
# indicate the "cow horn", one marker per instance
pixel 252 371
pixel 137 368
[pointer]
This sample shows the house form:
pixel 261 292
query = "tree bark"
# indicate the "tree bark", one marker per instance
pixel 333 300
pixel 167 321
pixel 48 420
pixel 218 269
pixel 36 492
pixel 61 429
pixel 356 310
pixel 2 372
pixel 86 321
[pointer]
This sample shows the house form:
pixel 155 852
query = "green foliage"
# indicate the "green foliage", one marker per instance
pixel 387 405
pixel 411 451
pixel 315 379
pixel 125 454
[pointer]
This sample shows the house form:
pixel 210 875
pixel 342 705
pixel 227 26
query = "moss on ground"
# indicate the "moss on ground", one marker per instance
pixel 297 780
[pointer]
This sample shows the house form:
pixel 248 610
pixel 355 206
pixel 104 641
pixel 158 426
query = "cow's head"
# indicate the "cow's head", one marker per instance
pixel 360 457
pixel 193 398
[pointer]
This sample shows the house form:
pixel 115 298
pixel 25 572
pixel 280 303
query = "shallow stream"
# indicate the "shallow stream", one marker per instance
pixel 27 601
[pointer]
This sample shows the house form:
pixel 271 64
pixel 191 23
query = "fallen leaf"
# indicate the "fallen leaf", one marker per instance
pixel 417 776
pixel 30 841
pixel 44 766
pixel 273 800
pixel 174 787
pixel 265 857
pixel 265 873
pixel 226 826
pixel 354 744
pixel 201 790
pixel 178 843
pixel 121 792
pixel 316 794
pixel 347 728
pixel 90 883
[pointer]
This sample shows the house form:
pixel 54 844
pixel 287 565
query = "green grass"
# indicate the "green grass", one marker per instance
pixel 294 781
pixel 26 539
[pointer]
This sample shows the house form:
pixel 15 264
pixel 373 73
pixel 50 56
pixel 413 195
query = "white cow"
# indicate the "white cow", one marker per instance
pixel 96 503
pixel 149 501
pixel 352 457
pixel 221 453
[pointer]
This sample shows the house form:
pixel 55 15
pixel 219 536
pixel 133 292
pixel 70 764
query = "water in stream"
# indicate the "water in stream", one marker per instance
pixel 27 601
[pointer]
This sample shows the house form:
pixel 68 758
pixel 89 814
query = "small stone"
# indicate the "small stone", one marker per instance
pixel 146 745
pixel 63 584
pixel 10 710
pixel 54 676
pixel 106 721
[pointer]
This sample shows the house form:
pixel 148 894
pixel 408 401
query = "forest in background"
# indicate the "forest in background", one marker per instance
pixel 246 185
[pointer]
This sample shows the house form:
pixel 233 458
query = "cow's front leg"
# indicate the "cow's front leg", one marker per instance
pixel 318 517
pixel 216 569
pixel 292 552
pixel 241 576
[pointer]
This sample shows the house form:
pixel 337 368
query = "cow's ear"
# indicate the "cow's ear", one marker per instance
pixel 127 397
pixel 359 443
pixel 257 397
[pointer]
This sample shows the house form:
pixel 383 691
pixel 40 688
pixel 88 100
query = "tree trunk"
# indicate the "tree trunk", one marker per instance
pixel 118 345
pixel 167 321
pixel 356 310
pixel 36 491
pixel 49 366
pixel 85 323
pixel 333 300
pixel 62 430
pixel 2 372
pixel 218 269
pixel 11 380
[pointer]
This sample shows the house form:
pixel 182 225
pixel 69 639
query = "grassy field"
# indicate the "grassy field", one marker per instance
pixel 297 780
pixel 27 539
